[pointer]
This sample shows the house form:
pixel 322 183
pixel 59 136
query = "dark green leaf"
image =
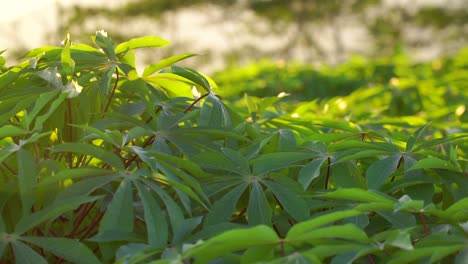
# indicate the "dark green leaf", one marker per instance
pixel 258 211
pixel 378 172
pixel 119 214
pixel 156 224
pixel 69 249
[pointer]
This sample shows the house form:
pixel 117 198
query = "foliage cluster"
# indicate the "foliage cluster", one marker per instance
pixel 100 163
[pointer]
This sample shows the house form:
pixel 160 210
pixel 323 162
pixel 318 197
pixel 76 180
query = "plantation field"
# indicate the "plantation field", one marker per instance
pixel 275 162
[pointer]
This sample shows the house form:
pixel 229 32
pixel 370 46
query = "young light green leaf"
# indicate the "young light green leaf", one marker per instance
pixel 433 254
pixel 69 249
pixel 258 210
pixel 348 231
pixel 67 63
pixel 231 241
pixel 307 226
pixel 142 42
pixel 105 43
pixel 192 76
pixel 358 195
pixel 150 69
pixel 434 163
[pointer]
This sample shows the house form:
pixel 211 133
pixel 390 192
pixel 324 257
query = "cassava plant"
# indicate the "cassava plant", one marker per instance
pixel 100 164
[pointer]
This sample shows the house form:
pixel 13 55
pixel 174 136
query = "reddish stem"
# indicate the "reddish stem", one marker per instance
pixel 113 90
pixel 195 102
pixel 328 172
pixel 423 221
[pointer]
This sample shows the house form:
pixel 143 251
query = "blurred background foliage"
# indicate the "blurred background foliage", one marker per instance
pixel 236 32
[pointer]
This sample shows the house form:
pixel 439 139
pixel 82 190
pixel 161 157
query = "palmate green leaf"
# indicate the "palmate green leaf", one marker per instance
pixel 176 216
pixel 150 69
pixel 325 251
pixel 308 226
pixel 406 204
pixel 257 254
pixel 359 154
pixel 258 211
pixel 278 160
pixel 9 108
pixel 188 165
pixel 41 50
pixel 359 195
pixel 25 254
pixel 69 249
pixel 458 210
pixel 357 144
pixel 347 231
pixel 400 239
pixel 49 212
pixel 214 114
pixel 142 42
pixel 11 131
pixel 222 209
pixel 378 172
pixel 310 171
pixel 105 43
pixel 41 102
pixel 215 160
pixel 289 196
pixel 219 133
pixel 27 178
pixel 67 63
pixel 104 135
pixel 42 118
pixel 119 215
pixel 192 76
pixel 3 241
pixel 416 137
pixel 432 254
pixel 437 141
pixel 398 219
pixel 86 186
pixel 93 151
pixel 434 163
pixel 103 85
pixel 185 185
pixel 241 163
pixel 340 125
pixel 156 224
pixel 232 241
